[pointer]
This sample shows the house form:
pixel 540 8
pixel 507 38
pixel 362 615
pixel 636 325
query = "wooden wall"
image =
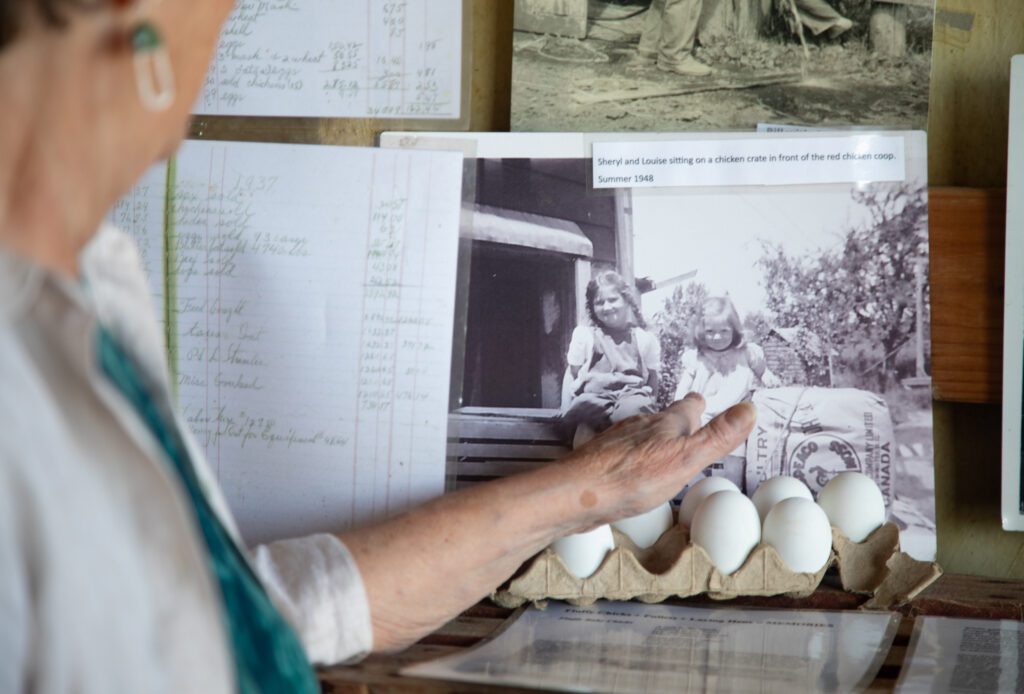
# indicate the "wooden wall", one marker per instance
pixel 967 129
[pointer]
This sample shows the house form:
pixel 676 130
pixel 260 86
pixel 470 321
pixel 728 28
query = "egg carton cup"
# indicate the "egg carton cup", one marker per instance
pixel 674 566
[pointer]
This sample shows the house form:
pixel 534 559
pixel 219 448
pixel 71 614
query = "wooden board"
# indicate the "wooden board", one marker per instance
pixel 967 228
pixel 969 99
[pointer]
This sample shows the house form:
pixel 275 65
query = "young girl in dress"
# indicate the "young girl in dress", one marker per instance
pixel 725 369
pixel 613 363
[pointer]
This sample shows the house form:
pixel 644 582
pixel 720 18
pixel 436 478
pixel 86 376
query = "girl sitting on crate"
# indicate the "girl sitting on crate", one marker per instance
pixel 613 363
pixel 725 369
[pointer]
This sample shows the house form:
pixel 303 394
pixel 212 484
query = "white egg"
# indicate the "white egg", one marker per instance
pixel 700 491
pixel 854 504
pixel 726 525
pixel 774 490
pixel 645 529
pixel 799 531
pixel 584 552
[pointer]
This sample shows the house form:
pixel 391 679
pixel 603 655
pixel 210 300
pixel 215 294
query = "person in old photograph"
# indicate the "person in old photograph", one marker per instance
pixel 669 34
pixel 707 65
pixel 819 17
pixel 613 363
pixel 725 368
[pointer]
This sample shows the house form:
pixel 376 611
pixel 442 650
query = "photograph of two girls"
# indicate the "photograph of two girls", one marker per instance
pixel 585 307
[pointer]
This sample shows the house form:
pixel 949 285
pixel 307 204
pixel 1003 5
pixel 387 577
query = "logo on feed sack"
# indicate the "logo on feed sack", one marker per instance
pixel 820 457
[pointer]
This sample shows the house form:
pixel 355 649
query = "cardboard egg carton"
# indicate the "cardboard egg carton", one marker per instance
pixel 673 566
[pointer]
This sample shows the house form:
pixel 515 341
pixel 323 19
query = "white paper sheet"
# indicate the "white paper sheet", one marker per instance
pixel 754 161
pixel 140 213
pixel 352 59
pixel 314 305
pixel 1013 316
pixel 964 655
pixel 632 647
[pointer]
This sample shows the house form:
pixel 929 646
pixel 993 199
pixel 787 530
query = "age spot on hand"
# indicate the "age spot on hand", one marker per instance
pixel 588 499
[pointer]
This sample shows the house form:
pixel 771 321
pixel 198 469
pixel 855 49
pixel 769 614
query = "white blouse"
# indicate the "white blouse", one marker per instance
pixel 104 585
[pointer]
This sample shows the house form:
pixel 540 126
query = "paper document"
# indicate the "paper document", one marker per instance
pixel 350 59
pixel 964 655
pixel 753 161
pixel 633 647
pixel 311 298
pixel 140 213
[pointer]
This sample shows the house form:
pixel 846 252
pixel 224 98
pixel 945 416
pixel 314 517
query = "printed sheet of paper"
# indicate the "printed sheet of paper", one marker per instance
pixel 753 161
pixel 352 59
pixel 633 647
pixel 140 213
pixel 964 655
pixel 314 293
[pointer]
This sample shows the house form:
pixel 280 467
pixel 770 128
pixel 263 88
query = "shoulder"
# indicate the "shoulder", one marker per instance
pixel 32 454
pixel 25 402
pixel 582 335
pixel 581 343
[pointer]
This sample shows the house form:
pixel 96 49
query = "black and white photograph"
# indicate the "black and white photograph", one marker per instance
pixel 701 65
pixel 588 306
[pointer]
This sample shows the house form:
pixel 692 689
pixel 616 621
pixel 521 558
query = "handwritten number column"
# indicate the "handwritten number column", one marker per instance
pixel 382 301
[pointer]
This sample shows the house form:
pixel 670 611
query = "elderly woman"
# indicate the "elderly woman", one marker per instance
pixel 119 568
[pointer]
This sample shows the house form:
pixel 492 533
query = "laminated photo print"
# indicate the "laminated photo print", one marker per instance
pixel 589 304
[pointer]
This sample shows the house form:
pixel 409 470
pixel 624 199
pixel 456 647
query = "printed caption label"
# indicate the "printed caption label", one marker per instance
pixel 774 161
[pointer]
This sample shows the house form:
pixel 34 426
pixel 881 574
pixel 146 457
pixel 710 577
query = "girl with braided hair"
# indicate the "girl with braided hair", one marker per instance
pixel 613 363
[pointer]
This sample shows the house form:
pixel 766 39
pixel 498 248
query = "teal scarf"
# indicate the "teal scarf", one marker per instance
pixel 268 654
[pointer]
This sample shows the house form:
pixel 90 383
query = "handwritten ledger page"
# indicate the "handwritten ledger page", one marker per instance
pixel 140 213
pixel 313 301
pixel 352 59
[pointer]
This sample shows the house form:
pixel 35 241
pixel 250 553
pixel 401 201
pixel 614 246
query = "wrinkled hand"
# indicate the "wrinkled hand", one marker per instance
pixel 644 461
pixel 603 382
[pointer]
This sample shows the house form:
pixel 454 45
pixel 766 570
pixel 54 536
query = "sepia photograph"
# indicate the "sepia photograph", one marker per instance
pixel 677 65
pixel 587 306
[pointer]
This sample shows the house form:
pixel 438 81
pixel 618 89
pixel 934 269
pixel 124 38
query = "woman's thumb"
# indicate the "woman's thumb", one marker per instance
pixel 724 433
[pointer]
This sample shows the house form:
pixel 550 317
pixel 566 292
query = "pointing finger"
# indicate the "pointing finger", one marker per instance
pixel 723 433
